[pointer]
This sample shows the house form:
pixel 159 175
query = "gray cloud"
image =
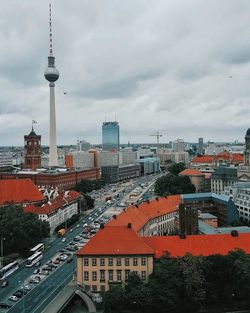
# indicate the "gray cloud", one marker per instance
pixel 157 65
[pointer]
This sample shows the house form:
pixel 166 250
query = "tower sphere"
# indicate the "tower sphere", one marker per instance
pixel 51 74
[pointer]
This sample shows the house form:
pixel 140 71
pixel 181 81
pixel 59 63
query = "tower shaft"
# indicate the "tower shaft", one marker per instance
pixel 53 158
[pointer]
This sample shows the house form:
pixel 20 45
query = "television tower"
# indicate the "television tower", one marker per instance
pixel 52 75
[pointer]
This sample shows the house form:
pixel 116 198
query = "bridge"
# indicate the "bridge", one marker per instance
pixel 64 297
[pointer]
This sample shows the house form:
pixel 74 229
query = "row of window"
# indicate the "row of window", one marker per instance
pixel 117 261
pixel 111 275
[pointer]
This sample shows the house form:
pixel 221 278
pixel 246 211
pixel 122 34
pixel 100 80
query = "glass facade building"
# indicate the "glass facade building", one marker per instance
pixel 110 136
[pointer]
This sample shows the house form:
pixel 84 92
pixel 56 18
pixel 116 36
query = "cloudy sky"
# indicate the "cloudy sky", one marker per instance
pixel 175 66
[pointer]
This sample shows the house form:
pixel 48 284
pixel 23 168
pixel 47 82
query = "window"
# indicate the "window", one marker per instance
pixel 102 262
pixel 135 261
pixel 102 275
pixel 110 261
pixel 102 288
pixel 143 275
pixel 94 276
pixel 126 274
pixel 119 275
pixel 86 275
pixel 118 262
pixel 94 288
pixel 111 275
pixel 143 261
pixel 126 261
pixel 86 262
pixel 93 262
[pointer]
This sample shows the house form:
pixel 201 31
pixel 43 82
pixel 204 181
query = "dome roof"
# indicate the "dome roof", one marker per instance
pixel 248 132
pixel 51 74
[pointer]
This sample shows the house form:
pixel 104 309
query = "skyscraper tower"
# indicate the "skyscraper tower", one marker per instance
pixel 52 75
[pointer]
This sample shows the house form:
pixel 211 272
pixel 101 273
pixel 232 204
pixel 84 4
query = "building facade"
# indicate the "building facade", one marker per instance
pixel 223 177
pixel 32 151
pixel 110 136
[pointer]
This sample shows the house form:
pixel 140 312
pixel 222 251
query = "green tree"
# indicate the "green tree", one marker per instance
pixel 86 185
pixel 21 230
pixel 172 185
pixel 115 299
pixel 176 168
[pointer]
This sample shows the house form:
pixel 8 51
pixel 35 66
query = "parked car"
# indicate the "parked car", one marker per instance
pixel 4 283
pixel 64 239
pixel 70 259
pixel 4 305
pixel 37 264
pixel 13 298
pixel 37 271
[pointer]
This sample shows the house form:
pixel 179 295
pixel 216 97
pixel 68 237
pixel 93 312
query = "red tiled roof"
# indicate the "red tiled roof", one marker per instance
pixel 138 217
pixel 61 200
pixel 198 244
pixel 116 240
pixel 19 191
pixel 191 172
pixel 202 159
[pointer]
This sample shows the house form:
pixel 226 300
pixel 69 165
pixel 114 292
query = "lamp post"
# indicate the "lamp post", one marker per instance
pixel 1 259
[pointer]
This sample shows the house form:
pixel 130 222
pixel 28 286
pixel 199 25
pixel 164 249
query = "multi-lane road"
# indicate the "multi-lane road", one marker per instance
pixel 43 293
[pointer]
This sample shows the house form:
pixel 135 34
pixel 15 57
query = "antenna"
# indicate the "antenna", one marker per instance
pixel 50 32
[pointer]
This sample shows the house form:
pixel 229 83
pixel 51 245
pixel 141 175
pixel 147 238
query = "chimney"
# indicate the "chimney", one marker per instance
pixel 129 225
pixel 234 233
pixel 157 199
pixel 182 236
pixel 148 201
pixel 114 216
pixel 102 226
pixel 136 205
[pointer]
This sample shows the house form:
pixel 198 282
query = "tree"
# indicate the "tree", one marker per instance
pixel 115 299
pixel 171 184
pixel 176 168
pixel 88 185
pixel 21 230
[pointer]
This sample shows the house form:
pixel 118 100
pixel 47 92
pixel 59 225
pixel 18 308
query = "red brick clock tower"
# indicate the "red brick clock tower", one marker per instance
pixel 32 150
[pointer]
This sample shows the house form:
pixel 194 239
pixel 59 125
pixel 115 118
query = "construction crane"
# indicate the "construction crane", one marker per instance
pixel 157 135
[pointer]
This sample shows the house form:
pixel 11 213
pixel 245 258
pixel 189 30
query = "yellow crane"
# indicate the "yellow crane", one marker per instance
pixel 157 135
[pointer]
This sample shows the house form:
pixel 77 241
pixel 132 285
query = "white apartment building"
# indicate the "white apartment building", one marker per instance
pixel 58 210
pixel 240 194
pixel 82 159
pixel 6 159
pixel 107 158
pixel 127 156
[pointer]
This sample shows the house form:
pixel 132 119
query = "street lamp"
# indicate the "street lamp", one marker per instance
pixel 1 259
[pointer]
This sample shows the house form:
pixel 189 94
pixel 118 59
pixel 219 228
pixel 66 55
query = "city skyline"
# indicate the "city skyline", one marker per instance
pixel 129 59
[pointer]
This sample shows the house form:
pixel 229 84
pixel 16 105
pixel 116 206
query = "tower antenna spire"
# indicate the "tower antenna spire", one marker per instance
pixel 50 32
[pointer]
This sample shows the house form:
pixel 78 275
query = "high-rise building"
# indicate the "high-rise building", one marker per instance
pixel 52 75
pixel 110 136
pixel 179 145
pixel 82 145
pixel 247 148
pixel 200 146
pixel 32 150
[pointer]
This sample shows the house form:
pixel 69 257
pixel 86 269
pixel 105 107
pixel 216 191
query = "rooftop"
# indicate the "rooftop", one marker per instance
pixel 116 240
pixel 191 172
pixel 19 191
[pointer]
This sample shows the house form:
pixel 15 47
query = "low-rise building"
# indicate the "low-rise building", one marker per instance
pixel 223 177
pixel 19 191
pixel 201 181
pixel 149 165
pixel 58 210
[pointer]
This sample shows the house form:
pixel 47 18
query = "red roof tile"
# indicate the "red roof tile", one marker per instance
pixel 19 191
pixel 146 211
pixel 116 240
pixel 61 200
pixel 191 172
pixel 203 159
pixel 198 244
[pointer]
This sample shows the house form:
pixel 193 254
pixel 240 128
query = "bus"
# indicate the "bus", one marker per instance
pixel 8 269
pixel 37 248
pixel 32 260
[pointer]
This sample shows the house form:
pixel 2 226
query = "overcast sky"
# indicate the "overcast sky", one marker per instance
pixel 175 66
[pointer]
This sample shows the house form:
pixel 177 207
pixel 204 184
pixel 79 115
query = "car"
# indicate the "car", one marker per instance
pixel 45 272
pixel 57 261
pixel 33 281
pixel 62 250
pixel 5 305
pixel 77 225
pixel 47 268
pixel 37 271
pixel 53 265
pixel 38 278
pixel 27 287
pixel 71 230
pixel 63 257
pixel 4 283
pixel 49 262
pixel 64 239
pixel 37 264
pixel 13 298
pixel 70 259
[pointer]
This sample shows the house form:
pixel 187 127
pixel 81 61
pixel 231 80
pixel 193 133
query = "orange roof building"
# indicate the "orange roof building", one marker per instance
pixel 19 191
